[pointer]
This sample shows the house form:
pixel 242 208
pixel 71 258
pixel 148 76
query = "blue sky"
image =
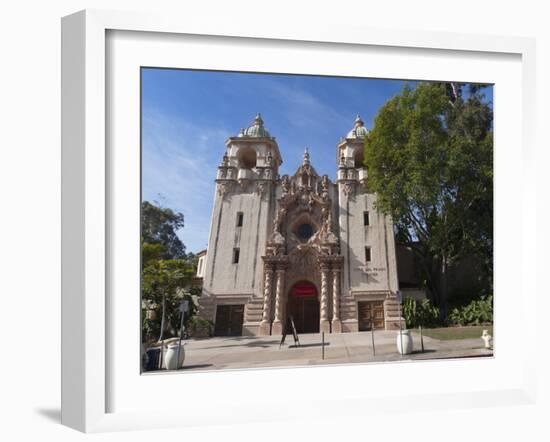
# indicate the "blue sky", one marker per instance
pixel 187 116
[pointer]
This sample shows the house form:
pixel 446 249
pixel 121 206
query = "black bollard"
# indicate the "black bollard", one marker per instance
pixel 372 336
pixel 179 342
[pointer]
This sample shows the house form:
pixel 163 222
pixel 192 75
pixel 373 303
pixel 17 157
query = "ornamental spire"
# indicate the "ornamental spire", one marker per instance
pixel 256 129
pixel 306 157
pixel 258 120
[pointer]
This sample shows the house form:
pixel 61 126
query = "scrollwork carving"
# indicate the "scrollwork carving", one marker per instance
pixel 261 189
pixel 223 189
pixel 349 189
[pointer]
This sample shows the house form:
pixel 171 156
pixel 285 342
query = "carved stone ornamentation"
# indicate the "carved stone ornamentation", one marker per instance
pixel 276 244
pixel 349 190
pixel 285 185
pixel 225 160
pixel 261 189
pixel 336 294
pixel 324 188
pixel 265 325
pixel 324 324
pixel 266 314
pixel 275 239
pixel 279 288
pixel 279 219
pixel 223 189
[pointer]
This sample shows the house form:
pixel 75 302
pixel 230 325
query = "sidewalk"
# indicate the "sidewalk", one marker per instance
pixel 222 353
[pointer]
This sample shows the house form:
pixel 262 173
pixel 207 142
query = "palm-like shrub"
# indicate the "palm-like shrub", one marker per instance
pixel 422 313
pixel 199 327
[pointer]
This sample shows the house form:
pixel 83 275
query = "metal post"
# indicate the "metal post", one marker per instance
pixel 323 344
pixel 184 305
pixel 372 330
pixel 372 336
pixel 421 340
pixel 161 354
pixel 401 329
pixel 179 342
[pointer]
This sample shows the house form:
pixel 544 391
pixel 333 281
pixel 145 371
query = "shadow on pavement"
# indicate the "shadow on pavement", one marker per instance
pixel 419 352
pixel 190 367
pixel 309 345
pixel 261 344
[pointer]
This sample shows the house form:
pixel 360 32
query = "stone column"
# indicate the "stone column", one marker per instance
pixel 277 328
pixel 324 323
pixel 336 322
pixel 265 325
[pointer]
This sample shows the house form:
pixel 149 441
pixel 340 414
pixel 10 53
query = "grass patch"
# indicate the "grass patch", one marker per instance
pixel 450 333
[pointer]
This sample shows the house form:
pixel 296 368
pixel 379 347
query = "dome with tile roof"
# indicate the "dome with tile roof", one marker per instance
pixel 256 130
pixel 359 130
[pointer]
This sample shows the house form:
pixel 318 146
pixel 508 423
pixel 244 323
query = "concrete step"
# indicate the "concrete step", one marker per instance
pixel 254 310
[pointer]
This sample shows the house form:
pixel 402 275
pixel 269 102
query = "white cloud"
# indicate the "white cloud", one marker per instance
pixel 179 162
pixel 303 109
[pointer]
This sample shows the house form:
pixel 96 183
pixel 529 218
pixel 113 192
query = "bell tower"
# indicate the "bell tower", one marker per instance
pixel 366 236
pixel 241 218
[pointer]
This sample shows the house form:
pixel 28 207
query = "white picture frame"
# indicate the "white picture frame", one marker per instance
pixel 87 211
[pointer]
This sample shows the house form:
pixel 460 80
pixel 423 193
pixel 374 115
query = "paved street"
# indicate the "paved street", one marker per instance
pixel 255 352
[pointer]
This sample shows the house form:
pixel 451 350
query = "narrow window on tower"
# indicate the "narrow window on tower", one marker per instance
pixel 236 253
pixel 239 219
pixel 366 218
pixel 367 254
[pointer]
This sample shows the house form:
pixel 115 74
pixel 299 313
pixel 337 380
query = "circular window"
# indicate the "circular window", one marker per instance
pixel 305 231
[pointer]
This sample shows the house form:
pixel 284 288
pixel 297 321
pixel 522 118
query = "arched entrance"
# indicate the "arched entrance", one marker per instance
pixel 303 306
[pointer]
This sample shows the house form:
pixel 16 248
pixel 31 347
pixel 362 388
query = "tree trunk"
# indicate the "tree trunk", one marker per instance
pixel 443 286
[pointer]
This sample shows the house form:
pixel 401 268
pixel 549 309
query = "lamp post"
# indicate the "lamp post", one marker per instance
pixel 184 307
pixel 400 299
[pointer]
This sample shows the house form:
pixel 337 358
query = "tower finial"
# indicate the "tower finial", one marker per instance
pixel 306 156
pixel 258 119
pixel 358 121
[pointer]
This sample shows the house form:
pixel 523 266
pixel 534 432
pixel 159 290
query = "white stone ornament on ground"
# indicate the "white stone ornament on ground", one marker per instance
pixel 487 339
pixel 171 354
pixel 404 342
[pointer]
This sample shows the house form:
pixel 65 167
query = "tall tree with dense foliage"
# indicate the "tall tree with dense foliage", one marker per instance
pixel 159 225
pixel 163 284
pixel 167 271
pixel 430 160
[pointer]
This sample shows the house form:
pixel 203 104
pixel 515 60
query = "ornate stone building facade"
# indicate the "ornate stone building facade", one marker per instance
pixel 297 246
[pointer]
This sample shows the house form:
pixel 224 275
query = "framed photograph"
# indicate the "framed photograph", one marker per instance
pixel 319 213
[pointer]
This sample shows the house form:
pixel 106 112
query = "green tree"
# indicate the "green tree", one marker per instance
pixel 163 284
pixel 430 160
pixel 150 253
pixel 167 271
pixel 159 226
